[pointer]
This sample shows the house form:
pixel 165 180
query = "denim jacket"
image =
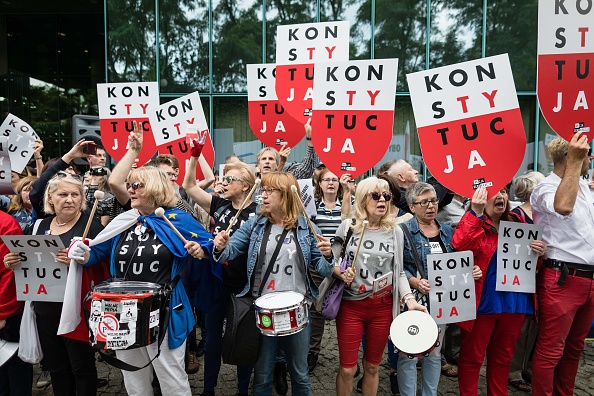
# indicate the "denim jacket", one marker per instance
pixel 421 243
pixel 248 238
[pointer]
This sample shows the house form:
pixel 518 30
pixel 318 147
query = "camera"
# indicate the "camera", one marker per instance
pixel 98 171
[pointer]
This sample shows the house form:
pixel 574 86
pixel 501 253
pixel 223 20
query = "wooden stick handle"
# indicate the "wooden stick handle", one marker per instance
pixel 246 200
pixel 365 222
pixel 98 195
pixel 184 240
pixel 302 206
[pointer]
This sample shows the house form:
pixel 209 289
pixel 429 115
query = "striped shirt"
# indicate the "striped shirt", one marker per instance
pixel 328 220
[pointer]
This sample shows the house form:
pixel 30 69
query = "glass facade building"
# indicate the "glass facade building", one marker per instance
pixel 205 45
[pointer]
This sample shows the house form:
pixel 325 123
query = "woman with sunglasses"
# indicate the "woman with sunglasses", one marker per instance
pixel 280 231
pixel 427 236
pixel 141 246
pixel 218 283
pixel 365 309
pixel 69 358
pixel 500 315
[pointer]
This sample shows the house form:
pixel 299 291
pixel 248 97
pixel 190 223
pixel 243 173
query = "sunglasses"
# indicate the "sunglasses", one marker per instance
pixel 62 175
pixel 229 179
pixel 377 196
pixel 135 186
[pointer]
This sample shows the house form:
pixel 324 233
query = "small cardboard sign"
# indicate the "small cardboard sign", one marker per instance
pixel 467 114
pixel 298 48
pixel 119 105
pixel 5 174
pixel 565 80
pixel 353 113
pixel 307 196
pixel 170 120
pixel 21 139
pixel 270 123
pixel 452 294
pixel 516 261
pixel 38 277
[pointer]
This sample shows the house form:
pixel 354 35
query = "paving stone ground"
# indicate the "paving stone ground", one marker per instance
pixel 323 379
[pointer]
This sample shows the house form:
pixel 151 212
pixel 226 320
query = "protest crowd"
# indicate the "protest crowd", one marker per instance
pixel 158 261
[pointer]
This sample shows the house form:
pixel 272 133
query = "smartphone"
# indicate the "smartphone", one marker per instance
pixel 90 149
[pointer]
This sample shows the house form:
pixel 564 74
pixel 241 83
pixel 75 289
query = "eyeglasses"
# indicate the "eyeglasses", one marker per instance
pixel 424 203
pixel 376 196
pixel 135 186
pixel 268 190
pixel 229 179
pixel 61 175
pixel 171 175
pixel 328 180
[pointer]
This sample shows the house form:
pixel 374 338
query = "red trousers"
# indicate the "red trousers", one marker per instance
pixel 495 335
pixel 565 315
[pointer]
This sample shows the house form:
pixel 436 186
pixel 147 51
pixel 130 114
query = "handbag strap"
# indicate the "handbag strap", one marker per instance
pixel 348 236
pixel 414 251
pixel 262 254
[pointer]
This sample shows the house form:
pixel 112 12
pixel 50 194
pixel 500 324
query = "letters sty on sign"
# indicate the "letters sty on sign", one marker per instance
pixel 565 74
pixel 469 123
pixel 119 105
pixel 269 121
pixel 298 48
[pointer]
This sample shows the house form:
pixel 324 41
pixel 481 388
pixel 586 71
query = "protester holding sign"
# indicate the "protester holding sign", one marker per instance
pixel 144 248
pixel 16 376
pixel 523 187
pixel 563 205
pixel 20 205
pixel 281 228
pixel 373 291
pixel 499 314
pixel 70 359
pixel 427 236
pixel 217 283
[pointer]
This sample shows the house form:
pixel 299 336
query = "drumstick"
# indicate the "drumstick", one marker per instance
pixel 249 196
pixel 309 223
pixel 161 213
pixel 98 196
pixel 365 223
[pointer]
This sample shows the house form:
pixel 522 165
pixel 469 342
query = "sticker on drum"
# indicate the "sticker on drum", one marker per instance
pixel 281 313
pixel 414 333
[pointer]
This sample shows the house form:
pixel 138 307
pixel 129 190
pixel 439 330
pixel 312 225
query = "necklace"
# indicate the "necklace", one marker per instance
pixel 63 224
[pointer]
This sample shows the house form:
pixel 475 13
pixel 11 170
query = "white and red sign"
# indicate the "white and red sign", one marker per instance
pixel 21 139
pixel 565 82
pixel 119 105
pixel 180 148
pixel 169 120
pixel 469 123
pixel 269 121
pixel 353 113
pixel 298 47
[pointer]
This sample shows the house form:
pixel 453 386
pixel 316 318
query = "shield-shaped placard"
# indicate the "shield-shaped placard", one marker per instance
pixel 119 105
pixel 469 123
pixel 298 47
pixel 270 123
pixel 353 113
pixel 565 83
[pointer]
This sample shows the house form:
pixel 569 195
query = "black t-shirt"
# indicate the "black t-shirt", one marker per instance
pixel 222 211
pixel 141 256
pixel 55 308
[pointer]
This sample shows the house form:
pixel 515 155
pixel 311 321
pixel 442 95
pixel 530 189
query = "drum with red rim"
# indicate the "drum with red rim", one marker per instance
pixel 414 334
pixel 281 313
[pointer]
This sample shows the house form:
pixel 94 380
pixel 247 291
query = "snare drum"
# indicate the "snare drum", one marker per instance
pixel 125 314
pixel 281 313
pixel 414 333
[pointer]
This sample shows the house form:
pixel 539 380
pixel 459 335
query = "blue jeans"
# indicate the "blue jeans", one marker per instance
pixel 431 370
pixel 296 347
pixel 213 325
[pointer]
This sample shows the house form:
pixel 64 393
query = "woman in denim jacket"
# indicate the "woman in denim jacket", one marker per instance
pixel 428 237
pixel 280 211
